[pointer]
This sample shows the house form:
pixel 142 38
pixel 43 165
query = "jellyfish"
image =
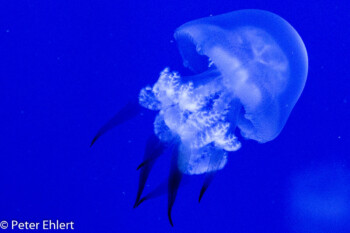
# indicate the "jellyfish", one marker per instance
pixel 249 69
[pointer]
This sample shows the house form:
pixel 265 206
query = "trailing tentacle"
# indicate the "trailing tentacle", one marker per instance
pixel 128 112
pixel 213 166
pixel 173 183
pixel 154 148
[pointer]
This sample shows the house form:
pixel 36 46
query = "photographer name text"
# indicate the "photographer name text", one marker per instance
pixel 44 225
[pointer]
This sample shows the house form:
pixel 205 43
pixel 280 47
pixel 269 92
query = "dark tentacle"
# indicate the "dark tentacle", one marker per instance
pixel 160 190
pixel 129 111
pixel 173 183
pixel 214 164
pixel 154 148
pixel 207 181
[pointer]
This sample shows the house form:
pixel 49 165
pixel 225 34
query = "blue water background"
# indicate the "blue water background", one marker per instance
pixel 66 67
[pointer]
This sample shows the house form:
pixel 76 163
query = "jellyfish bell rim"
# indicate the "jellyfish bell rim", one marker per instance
pixel 196 38
pixel 185 31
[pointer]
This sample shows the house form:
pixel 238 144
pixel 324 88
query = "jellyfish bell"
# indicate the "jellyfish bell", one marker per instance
pixel 261 60
pixel 250 67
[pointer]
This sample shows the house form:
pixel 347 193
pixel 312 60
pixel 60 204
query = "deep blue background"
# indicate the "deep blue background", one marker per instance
pixel 66 67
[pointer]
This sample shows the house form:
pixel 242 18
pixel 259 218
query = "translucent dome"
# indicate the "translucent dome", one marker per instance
pixel 250 68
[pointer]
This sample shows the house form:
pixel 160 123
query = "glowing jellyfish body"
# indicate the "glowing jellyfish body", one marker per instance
pixel 250 68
